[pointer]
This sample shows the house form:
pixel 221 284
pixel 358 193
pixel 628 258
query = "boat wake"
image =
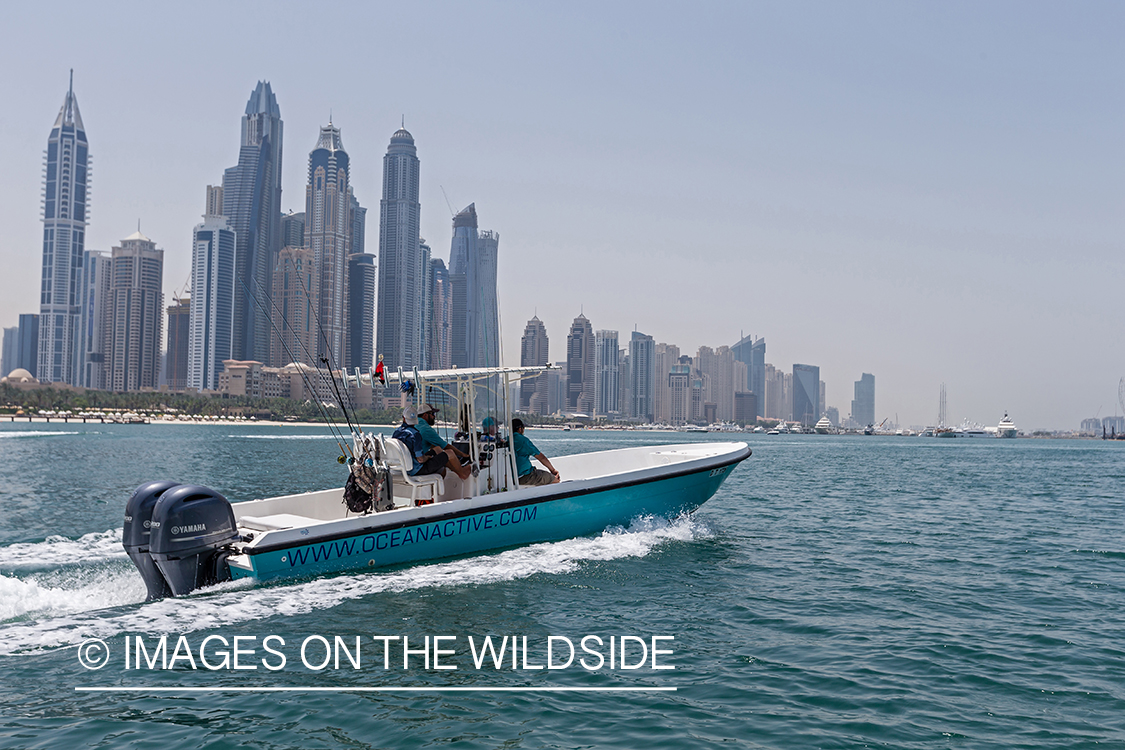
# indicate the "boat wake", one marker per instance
pixel 62 608
pixel 5 434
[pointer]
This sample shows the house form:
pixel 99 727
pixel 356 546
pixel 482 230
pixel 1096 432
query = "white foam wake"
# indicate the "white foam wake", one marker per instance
pixel 34 433
pixel 284 437
pixel 234 603
pixel 59 550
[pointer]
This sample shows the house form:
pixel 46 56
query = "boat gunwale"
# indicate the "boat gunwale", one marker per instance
pixel 541 495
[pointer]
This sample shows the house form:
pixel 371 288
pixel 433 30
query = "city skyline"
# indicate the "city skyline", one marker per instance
pixel 945 189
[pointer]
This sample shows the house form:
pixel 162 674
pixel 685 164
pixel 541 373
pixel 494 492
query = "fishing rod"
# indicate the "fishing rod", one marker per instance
pixel 344 406
pixel 336 434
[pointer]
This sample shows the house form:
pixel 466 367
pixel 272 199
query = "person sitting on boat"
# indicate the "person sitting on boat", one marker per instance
pixel 525 451
pixel 425 461
pixel 433 442
pixel 488 429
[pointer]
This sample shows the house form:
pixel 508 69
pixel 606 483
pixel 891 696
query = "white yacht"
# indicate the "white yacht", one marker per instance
pixel 1006 428
pixel 823 427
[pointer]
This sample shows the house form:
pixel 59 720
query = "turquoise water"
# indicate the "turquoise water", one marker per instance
pixel 837 592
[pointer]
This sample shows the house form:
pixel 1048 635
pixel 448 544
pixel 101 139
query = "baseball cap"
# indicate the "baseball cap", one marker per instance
pixel 427 408
pixel 410 415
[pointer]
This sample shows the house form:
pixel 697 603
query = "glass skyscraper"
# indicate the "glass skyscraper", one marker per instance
pixel 327 229
pixel 806 394
pixel 402 276
pixel 66 173
pixel 252 204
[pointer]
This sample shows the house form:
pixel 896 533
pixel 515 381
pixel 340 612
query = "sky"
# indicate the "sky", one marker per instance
pixel 929 192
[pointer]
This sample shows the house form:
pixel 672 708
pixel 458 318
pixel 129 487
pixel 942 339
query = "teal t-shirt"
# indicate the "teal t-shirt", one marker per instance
pixel 524 449
pixel 429 435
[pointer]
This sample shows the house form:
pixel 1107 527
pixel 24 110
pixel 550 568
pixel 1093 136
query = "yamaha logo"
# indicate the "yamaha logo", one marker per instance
pixel 148 524
pixel 188 529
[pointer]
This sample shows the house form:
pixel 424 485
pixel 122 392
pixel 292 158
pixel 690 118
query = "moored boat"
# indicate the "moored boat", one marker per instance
pixel 1006 428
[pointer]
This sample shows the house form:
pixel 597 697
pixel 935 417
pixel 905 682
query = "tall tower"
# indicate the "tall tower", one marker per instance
pixel 606 373
pixel 473 259
pixel 401 274
pixel 439 331
pixel 580 366
pixel 642 351
pixel 65 188
pixel 252 204
pixel 134 315
pixel 361 312
pixel 328 227
pixel 534 353
pixel 179 327
pixel 806 394
pixel 95 292
pixel 863 406
pixel 213 300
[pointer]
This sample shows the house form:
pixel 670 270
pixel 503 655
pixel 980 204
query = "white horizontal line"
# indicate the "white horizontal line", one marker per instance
pixel 298 689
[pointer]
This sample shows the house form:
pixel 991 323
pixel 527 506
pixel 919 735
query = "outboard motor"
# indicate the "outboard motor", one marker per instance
pixel 135 536
pixel 191 526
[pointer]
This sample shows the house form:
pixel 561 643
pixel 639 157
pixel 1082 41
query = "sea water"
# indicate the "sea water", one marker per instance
pixel 837 592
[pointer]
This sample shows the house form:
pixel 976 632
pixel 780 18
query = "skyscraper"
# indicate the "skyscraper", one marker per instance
pixel 252 204
pixel 473 264
pixel 361 312
pixel 642 350
pixel 179 331
pixel 718 367
pixel 358 227
pixel 66 176
pixel 664 356
pixel 213 299
pixel 863 405
pixel 439 327
pixel 806 394
pixel 328 226
pixel 293 278
pixel 752 352
pixel 401 275
pixel 293 229
pixel 95 292
pixel 28 346
pixel 606 373
pixel 10 351
pixel 134 315
pixel 580 366
pixel 535 392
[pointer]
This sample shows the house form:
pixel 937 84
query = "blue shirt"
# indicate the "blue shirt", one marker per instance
pixel 429 435
pixel 524 449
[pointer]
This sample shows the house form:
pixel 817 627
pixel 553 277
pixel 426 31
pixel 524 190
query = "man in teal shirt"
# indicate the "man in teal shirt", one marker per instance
pixel 525 451
pixel 425 427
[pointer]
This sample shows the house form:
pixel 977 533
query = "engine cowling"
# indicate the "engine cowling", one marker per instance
pixel 191 529
pixel 136 535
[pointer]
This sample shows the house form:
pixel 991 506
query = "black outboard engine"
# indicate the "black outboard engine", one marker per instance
pixel 135 536
pixel 191 527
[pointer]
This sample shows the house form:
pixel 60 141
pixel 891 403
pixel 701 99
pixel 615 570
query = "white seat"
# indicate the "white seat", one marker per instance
pixel 398 458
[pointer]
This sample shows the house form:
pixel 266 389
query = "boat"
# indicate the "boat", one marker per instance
pixel 1006 428
pixel 823 427
pixel 183 537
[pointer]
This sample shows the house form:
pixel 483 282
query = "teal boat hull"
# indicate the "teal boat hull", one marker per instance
pixel 557 514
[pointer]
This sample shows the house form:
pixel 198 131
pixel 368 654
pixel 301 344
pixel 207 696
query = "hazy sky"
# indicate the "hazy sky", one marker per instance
pixel 927 192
